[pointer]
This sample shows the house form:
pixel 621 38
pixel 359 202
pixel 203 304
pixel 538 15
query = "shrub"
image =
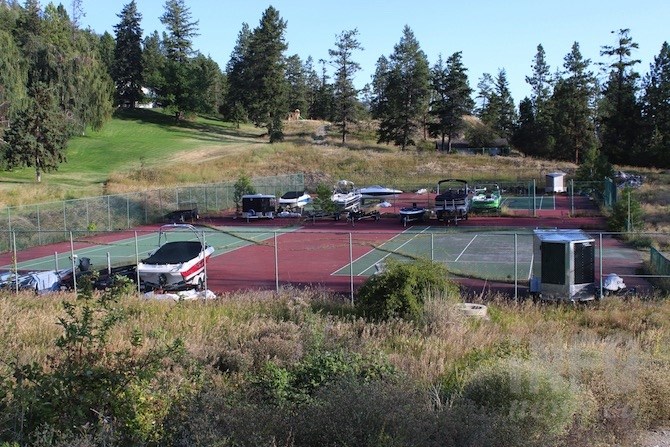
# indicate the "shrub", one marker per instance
pixel 242 187
pixel 401 289
pixel 90 383
pixel 626 213
pixel 530 404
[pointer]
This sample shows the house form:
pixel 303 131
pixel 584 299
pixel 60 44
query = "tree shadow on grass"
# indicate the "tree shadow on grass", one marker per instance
pixel 216 129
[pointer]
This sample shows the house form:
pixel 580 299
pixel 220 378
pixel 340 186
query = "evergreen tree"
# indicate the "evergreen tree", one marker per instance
pixel 619 110
pixel 344 92
pixel 153 64
pixel 504 104
pixel 452 98
pixel 127 68
pixel 13 78
pixel 407 90
pixel 38 136
pixel 324 101
pixel 572 115
pixel 297 84
pixel 106 50
pixel 533 135
pixel 265 74
pixel 177 44
pixel 313 85
pixel 379 88
pixel 484 95
pixel 238 77
pixel 207 85
pixel 656 110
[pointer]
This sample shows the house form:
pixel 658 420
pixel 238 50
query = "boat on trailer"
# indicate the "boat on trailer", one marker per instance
pixel 178 264
pixel 412 214
pixel 346 197
pixel 294 200
pixel 452 200
pixel 486 198
pixel 378 192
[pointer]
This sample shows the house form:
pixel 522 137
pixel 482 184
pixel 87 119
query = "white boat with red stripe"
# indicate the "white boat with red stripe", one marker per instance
pixel 178 264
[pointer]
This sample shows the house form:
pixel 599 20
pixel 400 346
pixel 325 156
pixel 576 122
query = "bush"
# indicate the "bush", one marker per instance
pixel 401 289
pixel 530 404
pixel 625 217
pixel 90 384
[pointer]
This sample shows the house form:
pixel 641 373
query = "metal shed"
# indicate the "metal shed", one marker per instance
pixel 563 265
pixel 555 182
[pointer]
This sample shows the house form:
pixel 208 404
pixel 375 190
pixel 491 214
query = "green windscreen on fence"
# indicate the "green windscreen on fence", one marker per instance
pixel 660 265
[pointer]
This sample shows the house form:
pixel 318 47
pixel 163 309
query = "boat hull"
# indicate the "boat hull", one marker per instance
pixel 175 265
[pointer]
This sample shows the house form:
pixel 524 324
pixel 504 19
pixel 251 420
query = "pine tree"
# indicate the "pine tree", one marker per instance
pixel 153 64
pixel 344 92
pixel 619 111
pixel 297 97
pixel 407 92
pixel 238 78
pixel 452 98
pixel 656 110
pixel 177 44
pixel 572 114
pixel 265 74
pixel 533 135
pixel 38 136
pixel 127 68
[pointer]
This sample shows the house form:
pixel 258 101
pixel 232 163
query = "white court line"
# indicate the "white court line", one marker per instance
pixel 466 247
pixel 389 254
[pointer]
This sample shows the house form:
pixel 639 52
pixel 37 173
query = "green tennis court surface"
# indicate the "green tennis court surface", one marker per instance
pixel 496 255
pixel 127 251
pixel 526 203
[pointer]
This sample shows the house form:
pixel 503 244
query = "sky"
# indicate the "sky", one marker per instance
pixel 491 34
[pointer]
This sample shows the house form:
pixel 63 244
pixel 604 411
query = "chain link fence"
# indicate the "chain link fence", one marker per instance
pixel 48 223
pixel 248 257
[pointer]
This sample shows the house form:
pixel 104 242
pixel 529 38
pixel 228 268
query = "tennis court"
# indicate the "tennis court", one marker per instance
pixel 128 250
pixel 544 202
pixel 494 255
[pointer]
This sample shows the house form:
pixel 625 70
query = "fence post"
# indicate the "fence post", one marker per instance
pixel 351 269
pixel 109 264
pixel 516 268
pixel 534 204
pixel 128 212
pixel 572 197
pixel 137 262
pixel 204 263
pixel 600 256
pixel 432 247
pixel 64 217
pixel 88 218
pixel 16 265
pixel 39 227
pixel 276 263
pixel 109 215
pixel 56 260
pixel 74 266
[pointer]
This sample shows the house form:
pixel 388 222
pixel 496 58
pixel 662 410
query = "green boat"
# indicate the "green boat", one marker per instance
pixel 486 198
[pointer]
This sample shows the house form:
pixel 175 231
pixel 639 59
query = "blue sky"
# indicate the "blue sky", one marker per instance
pixel 491 34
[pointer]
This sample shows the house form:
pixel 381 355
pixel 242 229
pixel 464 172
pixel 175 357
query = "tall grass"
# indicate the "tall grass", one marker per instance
pixel 612 356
